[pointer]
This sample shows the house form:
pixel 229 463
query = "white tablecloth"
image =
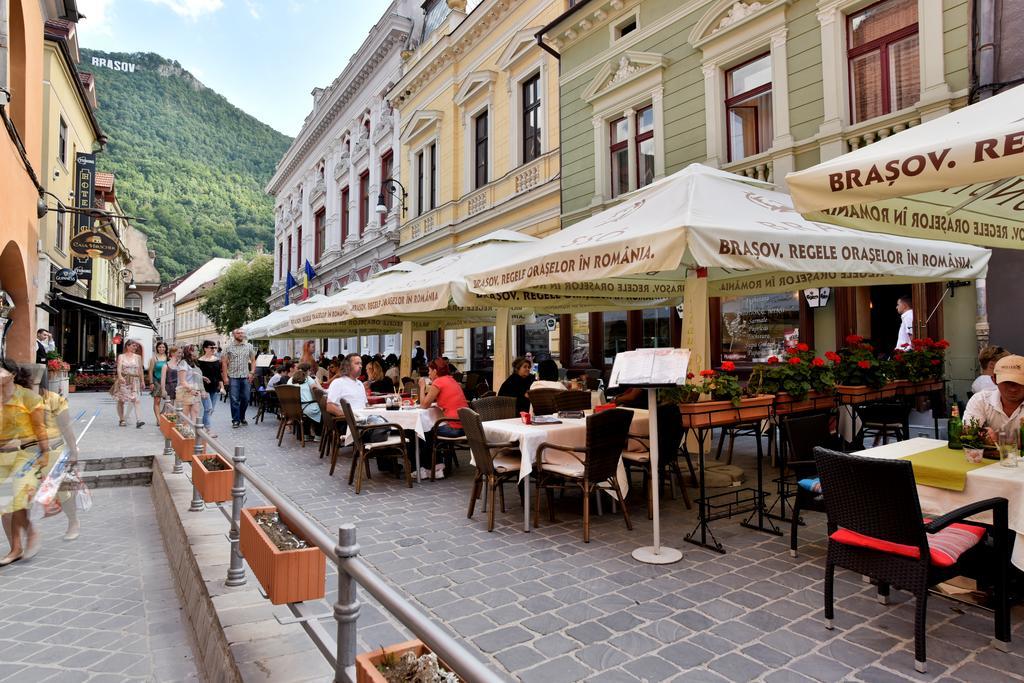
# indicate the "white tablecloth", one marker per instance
pixel 419 420
pixel 992 481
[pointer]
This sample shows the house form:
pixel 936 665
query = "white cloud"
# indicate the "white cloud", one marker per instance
pixel 254 8
pixel 191 9
pixel 98 16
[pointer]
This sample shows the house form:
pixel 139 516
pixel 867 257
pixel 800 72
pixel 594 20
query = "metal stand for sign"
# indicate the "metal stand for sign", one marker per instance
pixel 655 553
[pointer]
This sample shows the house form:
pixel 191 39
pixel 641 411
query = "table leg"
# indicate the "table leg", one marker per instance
pixel 703 505
pixel 526 503
pixel 759 496
pixel 418 460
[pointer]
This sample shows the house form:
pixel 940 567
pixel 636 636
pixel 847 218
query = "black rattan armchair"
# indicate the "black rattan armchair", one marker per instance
pixel 876 529
pixel 572 400
pixel 798 474
pixel 543 400
pixel 587 467
pixel 495 408
pixel 496 463
pixel 363 449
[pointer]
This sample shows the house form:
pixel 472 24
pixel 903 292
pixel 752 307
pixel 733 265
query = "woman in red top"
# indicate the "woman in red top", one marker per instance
pixel 442 388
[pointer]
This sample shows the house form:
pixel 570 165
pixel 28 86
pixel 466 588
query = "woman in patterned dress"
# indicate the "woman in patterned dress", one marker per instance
pixel 130 381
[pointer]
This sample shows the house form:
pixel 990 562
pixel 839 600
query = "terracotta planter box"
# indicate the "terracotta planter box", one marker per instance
pixel 929 385
pixel 72 388
pixel 185 448
pixel 704 414
pixel 785 405
pixel 215 486
pixel 166 427
pixel 286 575
pixel 366 663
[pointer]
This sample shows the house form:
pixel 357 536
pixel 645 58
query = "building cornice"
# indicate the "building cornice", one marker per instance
pixel 388 36
pixel 447 50
pixel 69 62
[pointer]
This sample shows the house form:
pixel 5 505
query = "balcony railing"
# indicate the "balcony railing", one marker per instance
pixel 352 571
pixel 874 130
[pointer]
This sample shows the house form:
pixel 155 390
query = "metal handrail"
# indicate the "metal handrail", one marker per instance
pixel 344 553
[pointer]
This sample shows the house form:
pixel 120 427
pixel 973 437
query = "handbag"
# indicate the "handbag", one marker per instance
pixel 75 488
pixel 375 435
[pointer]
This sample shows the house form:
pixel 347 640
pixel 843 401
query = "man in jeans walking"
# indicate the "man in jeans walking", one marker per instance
pixel 238 367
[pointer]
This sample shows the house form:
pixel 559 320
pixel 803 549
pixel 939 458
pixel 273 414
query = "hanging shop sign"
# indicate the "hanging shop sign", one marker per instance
pixel 90 243
pixel 65 277
pixel 85 190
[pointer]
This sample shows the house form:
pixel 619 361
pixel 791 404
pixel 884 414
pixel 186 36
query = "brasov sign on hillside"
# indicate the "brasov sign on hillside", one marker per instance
pixel 113 64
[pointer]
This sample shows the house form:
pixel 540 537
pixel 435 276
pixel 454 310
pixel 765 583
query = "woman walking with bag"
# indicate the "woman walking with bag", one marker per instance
pixel 190 384
pixel 210 366
pixel 156 375
pixel 128 386
pixel 169 379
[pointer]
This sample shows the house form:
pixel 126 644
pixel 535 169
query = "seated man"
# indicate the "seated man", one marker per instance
pixel 996 408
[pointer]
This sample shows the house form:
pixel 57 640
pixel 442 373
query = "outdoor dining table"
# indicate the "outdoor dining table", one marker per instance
pixel 411 418
pixel 982 483
pixel 569 432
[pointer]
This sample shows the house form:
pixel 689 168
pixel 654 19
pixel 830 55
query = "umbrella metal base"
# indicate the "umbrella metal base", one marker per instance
pixel 651 555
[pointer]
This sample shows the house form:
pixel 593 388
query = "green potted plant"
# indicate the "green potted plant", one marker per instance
pixel 801 381
pixel 730 402
pixel 974 440
pixel 859 374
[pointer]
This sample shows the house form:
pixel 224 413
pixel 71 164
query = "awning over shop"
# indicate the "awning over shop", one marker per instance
pixel 115 313
pixel 959 177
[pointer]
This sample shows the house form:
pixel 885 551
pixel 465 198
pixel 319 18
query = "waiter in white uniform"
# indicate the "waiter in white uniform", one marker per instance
pixel 905 308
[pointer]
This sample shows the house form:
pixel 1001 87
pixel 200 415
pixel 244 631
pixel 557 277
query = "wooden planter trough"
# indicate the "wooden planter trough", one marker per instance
pixel 214 486
pixel 286 575
pixel 857 394
pixel 785 405
pixel 185 448
pixel 705 414
pixel 166 427
pixel 366 663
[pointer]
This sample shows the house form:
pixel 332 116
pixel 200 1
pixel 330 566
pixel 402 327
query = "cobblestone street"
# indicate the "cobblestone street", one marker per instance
pixel 541 606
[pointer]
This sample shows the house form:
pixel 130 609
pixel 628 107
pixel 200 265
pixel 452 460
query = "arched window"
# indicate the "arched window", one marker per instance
pixel 133 301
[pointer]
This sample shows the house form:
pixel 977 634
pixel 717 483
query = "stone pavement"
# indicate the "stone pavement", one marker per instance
pixel 544 606
pixel 102 607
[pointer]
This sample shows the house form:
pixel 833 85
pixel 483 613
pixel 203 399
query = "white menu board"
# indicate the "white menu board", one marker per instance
pixel 650 367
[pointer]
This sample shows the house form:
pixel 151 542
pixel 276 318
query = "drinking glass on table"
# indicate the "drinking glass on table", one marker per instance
pixel 1009 448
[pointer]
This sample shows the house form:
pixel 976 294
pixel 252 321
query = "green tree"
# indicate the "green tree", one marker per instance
pixel 240 294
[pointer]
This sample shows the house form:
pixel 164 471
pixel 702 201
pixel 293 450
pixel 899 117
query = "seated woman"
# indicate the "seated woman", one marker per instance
pixel 547 374
pixel 442 388
pixel 333 372
pixel 987 358
pixel 518 383
pixel 377 381
pixel 310 408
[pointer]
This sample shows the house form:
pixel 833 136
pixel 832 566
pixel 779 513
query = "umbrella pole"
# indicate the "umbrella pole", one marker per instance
pixel 655 554
pixel 502 319
pixel 405 361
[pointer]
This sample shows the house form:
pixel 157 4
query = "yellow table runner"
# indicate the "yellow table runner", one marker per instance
pixel 943 468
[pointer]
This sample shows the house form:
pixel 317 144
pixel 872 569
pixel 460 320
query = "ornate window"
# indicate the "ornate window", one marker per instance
pixel 364 201
pixel 387 165
pixel 319 234
pixel 882 53
pixel 480 136
pixel 298 247
pixel 748 108
pixel 344 214
pixel 531 118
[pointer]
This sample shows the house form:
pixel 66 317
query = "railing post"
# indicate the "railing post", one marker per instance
pixel 197 500
pixel 346 609
pixel 236 571
pixel 168 446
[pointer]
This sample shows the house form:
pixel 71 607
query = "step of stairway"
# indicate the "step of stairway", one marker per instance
pixel 127 476
pixel 114 463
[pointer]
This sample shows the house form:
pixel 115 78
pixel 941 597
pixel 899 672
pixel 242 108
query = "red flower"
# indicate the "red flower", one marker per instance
pixel 942 344
pixel 707 373
pixel 728 366
pixel 833 356
pixel 689 375
pixel 936 361
pixel 854 339
pixel 795 361
pixel 817 362
pixel 898 357
pixel 864 364
pixel 772 360
pixel 802 347
pixel 792 351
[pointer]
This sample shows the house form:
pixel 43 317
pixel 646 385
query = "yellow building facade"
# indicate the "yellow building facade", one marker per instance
pixel 478 111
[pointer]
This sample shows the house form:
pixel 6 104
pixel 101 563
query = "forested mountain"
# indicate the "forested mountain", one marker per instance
pixel 188 162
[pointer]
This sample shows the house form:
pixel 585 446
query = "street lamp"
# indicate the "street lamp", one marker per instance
pixel 388 185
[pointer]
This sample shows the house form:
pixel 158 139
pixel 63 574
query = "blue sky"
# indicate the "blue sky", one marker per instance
pixel 265 56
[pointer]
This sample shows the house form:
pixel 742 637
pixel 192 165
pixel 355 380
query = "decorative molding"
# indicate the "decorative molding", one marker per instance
pixel 421 122
pixel 475 83
pixel 527 179
pixel 522 44
pixel 727 15
pixel 629 67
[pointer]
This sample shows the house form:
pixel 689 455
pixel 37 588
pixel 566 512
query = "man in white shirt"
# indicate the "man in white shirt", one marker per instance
pixel 347 386
pixel 904 307
pixel 996 408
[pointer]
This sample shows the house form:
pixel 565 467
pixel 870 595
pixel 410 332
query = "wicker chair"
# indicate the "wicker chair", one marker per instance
pixel 572 400
pixel 876 529
pixel 290 399
pixel 586 467
pixel 327 421
pixel 495 408
pixel 449 444
pixel 496 463
pixel 798 475
pixel 670 434
pixel 882 420
pixel 543 400
pixel 362 450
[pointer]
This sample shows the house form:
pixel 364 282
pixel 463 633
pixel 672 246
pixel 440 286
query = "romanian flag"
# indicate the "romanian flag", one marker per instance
pixel 307 274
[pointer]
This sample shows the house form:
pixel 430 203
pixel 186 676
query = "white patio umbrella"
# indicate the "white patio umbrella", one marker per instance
pixel 703 223
pixel 959 177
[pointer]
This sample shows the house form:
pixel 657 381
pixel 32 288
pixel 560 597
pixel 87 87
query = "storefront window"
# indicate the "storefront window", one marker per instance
pixel 754 328
pixel 580 341
pixel 615 335
pixel 482 351
pixel 657 332
pixel 536 339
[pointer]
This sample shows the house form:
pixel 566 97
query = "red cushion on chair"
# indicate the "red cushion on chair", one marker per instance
pixel 945 547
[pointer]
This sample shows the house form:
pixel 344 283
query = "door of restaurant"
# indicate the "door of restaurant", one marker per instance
pixel 885 321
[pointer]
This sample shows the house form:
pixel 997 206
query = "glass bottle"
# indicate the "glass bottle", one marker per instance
pixel 955 428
